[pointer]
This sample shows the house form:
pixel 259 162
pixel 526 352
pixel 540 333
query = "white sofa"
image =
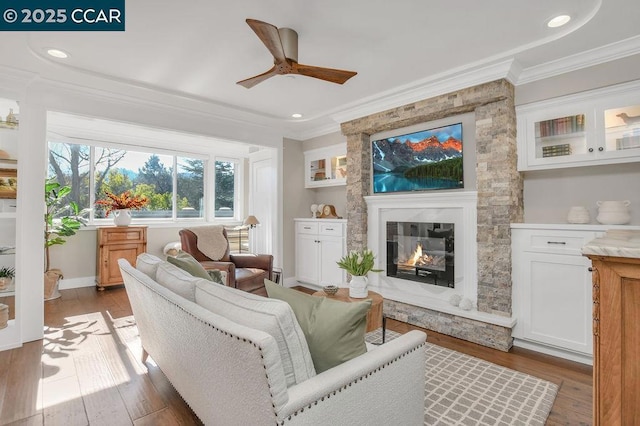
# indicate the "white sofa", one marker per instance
pixel 230 374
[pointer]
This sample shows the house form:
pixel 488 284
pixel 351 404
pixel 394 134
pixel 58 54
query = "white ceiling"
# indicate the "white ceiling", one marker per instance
pixel 201 48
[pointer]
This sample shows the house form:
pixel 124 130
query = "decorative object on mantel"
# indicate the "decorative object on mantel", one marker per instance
pixel 314 210
pixel 455 299
pixel 61 220
pixel 11 121
pixel 613 212
pixel 358 264
pixel 6 277
pixel 8 183
pixel 466 304
pixel 122 205
pixel 578 214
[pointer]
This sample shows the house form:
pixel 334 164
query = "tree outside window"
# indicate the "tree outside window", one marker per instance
pixel 225 189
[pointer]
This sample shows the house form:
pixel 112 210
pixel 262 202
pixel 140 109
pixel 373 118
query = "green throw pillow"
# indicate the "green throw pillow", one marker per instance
pixel 185 261
pixel 334 329
pixel 216 275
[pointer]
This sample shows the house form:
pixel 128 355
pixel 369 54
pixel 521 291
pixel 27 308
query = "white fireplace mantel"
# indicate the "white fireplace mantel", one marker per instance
pixel 457 207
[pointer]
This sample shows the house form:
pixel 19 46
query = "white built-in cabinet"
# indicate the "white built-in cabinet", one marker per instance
pixel 320 243
pixel 326 166
pixel 589 128
pixel 552 289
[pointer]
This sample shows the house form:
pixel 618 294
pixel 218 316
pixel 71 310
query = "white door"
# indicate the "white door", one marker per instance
pixel 307 258
pixel 331 250
pixel 557 303
pixel 262 204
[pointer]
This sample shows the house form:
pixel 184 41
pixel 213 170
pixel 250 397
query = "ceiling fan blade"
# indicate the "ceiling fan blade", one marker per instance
pixel 327 74
pixel 270 37
pixel 252 81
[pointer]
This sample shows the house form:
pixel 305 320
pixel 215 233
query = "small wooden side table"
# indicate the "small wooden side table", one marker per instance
pixel 374 316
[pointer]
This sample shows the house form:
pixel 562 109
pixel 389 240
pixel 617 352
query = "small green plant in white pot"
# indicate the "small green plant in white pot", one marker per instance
pixel 6 277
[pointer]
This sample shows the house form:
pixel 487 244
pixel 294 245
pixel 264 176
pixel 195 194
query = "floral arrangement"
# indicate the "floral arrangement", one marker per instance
pixel 122 201
pixel 358 263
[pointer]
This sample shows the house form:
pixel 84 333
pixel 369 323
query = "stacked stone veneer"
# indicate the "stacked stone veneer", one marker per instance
pixel 500 203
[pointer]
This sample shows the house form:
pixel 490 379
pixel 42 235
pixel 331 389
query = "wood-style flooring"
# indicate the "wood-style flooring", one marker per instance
pixel 87 370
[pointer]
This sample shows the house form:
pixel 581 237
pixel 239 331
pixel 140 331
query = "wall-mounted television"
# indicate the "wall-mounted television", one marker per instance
pixel 420 161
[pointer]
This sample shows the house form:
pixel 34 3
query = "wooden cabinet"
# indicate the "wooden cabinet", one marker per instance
pixel 326 166
pixel 616 340
pixel 320 243
pixel 552 290
pixel 590 128
pixel 115 243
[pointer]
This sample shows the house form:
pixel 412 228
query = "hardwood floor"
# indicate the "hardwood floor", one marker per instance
pixel 87 370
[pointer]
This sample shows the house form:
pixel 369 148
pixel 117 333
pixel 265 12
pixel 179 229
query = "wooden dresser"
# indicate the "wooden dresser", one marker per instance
pixel 117 242
pixel 616 345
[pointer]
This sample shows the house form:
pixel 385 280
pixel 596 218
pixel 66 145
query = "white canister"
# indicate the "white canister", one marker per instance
pixel 578 214
pixel 614 212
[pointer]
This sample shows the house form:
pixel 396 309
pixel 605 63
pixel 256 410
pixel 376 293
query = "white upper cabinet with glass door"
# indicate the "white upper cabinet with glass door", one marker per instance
pixel 326 166
pixel 590 128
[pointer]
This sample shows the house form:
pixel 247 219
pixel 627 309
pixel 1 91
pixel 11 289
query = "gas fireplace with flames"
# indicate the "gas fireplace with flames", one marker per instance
pixel 421 251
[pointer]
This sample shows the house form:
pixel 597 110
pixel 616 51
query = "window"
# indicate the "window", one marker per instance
pixel 225 189
pixel 92 171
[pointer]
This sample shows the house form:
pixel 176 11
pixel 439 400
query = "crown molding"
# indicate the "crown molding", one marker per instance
pixel 312 131
pixel 589 58
pixel 437 85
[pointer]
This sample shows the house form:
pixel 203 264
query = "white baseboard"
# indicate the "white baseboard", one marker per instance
pixel 67 284
pixel 557 352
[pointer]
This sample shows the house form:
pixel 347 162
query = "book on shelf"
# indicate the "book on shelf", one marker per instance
pixel 560 126
pixel 556 150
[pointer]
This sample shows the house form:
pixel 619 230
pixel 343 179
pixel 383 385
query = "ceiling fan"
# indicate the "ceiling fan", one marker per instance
pixel 283 45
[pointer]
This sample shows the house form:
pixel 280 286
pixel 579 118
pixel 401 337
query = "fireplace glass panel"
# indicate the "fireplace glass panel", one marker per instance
pixel 422 252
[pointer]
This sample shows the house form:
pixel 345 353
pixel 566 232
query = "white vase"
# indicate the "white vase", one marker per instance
pixel 122 217
pixel 613 212
pixel 358 287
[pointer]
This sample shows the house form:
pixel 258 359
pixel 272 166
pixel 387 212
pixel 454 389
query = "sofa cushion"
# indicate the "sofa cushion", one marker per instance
pixel 179 281
pixel 188 263
pixel 334 329
pixel 148 264
pixel 269 315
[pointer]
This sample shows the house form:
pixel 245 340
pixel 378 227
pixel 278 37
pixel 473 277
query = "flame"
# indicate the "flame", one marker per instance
pixel 417 255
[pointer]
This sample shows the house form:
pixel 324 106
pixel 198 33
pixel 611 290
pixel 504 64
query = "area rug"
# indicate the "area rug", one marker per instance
pixel 464 390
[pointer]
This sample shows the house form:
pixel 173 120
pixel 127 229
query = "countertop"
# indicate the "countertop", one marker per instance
pixel 615 242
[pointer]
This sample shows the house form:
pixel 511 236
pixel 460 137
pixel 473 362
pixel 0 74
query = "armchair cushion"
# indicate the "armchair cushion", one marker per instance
pixel 334 329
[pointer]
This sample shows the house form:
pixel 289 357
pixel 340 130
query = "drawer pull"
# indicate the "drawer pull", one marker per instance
pixel 557 242
pixel 329 229
pixel 307 227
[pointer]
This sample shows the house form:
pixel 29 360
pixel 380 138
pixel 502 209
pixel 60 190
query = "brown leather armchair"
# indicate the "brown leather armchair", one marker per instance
pixel 244 271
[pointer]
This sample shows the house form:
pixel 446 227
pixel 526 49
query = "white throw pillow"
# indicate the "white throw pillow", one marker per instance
pixel 269 315
pixel 148 264
pixel 178 281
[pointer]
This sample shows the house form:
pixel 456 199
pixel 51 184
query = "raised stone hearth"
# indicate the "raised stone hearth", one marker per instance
pixel 499 202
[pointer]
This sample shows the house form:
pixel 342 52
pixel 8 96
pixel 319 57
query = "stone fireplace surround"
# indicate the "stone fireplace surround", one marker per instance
pixel 499 202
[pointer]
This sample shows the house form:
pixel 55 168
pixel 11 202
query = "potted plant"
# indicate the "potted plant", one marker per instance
pixel 61 220
pixel 6 277
pixel 122 205
pixel 358 264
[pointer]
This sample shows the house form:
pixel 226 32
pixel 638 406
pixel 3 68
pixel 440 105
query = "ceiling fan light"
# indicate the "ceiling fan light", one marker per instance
pixel 558 21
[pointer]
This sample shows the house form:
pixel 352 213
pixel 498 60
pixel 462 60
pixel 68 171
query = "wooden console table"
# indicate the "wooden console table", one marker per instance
pixel 115 242
pixel 374 316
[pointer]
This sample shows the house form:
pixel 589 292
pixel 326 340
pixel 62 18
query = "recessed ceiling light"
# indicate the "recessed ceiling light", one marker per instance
pixel 57 53
pixel 296 115
pixel 558 21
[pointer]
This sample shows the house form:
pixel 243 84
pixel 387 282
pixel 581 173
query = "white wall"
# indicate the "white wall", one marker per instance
pixel 548 194
pixel 296 200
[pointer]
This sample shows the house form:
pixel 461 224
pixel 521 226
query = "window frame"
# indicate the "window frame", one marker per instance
pixel 208 181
